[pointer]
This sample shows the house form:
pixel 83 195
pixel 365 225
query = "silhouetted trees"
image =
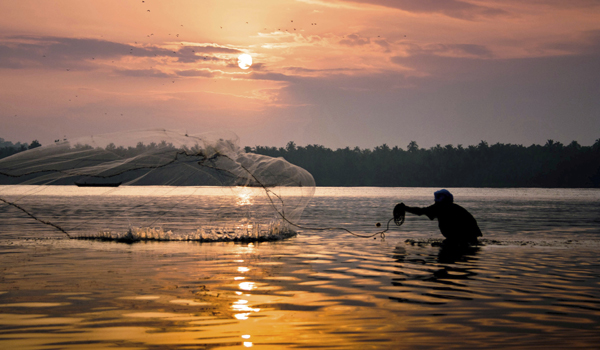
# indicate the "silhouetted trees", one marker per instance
pixel 35 144
pixel 484 165
pixel 7 148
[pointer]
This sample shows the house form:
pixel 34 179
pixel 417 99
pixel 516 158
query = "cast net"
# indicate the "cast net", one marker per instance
pixel 153 185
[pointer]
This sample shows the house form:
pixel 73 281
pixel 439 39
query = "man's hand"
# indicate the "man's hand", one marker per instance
pixel 399 211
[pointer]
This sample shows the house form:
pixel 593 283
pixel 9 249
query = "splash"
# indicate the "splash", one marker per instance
pixel 250 233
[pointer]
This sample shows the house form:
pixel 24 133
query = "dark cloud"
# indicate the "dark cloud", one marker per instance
pixel 307 70
pixel 147 73
pixel 214 49
pixel 586 43
pixel 449 49
pixel 10 59
pixel 196 73
pixel 460 100
pixel 190 54
pixel 592 38
pixel 270 76
pixel 253 67
pixel 452 8
pixel 185 56
pixel 384 44
pixel 582 4
pixel 259 72
pixel 471 49
pixel 354 40
pixel 25 51
pixel 257 66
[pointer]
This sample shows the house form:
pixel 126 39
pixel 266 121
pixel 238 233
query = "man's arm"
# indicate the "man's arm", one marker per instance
pixel 429 211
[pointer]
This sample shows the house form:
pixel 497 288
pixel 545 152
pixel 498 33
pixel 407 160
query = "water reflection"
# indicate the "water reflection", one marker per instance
pixel 434 280
pixel 244 196
pixel 314 291
pixel 247 286
pixel 451 255
pixel 241 308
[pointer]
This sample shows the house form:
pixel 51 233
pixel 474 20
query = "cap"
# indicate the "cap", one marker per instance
pixel 443 196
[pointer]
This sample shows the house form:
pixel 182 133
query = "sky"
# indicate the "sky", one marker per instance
pixel 338 73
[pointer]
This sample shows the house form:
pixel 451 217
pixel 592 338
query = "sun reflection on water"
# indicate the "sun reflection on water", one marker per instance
pixel 244 196
pixel 247 285
pixel 241 307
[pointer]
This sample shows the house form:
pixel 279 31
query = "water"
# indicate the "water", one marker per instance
pixel 534 283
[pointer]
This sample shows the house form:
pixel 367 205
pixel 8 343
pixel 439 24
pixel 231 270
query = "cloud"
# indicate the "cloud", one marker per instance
pixel 149 73
pixel 25 51
pixel 257 66
pixel 211 48
pixel 384 44
pixel 456 50
pixel 308 70
pixel 297 73
pixel 587 42
pixel 270 76
pixel 552 3
pixel 191 57
pixel 354 40
pixel 191 52
pixel 452 8
pixel 233 63
pixel 460 99
pixel 196 73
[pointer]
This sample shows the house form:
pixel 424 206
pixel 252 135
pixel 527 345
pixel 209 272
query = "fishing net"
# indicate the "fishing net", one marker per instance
pixel 153 185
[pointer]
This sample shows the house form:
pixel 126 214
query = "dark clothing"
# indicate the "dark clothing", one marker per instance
pixel 455 222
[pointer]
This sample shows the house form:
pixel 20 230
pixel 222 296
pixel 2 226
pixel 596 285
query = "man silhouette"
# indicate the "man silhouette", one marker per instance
pixel 455 222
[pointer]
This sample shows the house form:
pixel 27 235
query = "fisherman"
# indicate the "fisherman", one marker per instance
pixel 455 222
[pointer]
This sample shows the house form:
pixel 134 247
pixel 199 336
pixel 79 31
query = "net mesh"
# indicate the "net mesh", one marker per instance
pixel 156 184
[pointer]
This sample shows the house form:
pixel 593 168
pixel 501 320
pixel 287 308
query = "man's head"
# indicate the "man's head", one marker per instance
pixel 443 196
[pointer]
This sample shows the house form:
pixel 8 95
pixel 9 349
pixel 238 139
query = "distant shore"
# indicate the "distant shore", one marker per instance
pixel 552 165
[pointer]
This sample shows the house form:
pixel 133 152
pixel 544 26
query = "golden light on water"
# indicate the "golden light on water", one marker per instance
pixel 244 196
pixel 243 310
pixel 247 285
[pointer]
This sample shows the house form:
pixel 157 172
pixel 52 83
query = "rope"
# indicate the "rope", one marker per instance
pixel 398 215
pixel 36 218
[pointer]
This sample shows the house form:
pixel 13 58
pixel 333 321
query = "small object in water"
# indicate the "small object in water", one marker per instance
pixel 378 224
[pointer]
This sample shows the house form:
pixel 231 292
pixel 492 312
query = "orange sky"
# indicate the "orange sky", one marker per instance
pixel 332 72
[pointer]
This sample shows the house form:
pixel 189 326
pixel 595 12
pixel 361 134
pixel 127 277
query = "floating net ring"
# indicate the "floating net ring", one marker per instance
pixel 399 214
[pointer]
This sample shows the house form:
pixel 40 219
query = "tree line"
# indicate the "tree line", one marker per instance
pixel 498 165
pixel 7 148
pixel 483 165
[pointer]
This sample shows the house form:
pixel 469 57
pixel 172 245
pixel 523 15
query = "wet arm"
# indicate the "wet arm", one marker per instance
pixel 421 211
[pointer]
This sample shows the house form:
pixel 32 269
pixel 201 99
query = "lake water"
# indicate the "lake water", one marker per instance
pixel 533 283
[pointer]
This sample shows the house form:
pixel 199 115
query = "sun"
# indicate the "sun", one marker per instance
pixel 244 61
